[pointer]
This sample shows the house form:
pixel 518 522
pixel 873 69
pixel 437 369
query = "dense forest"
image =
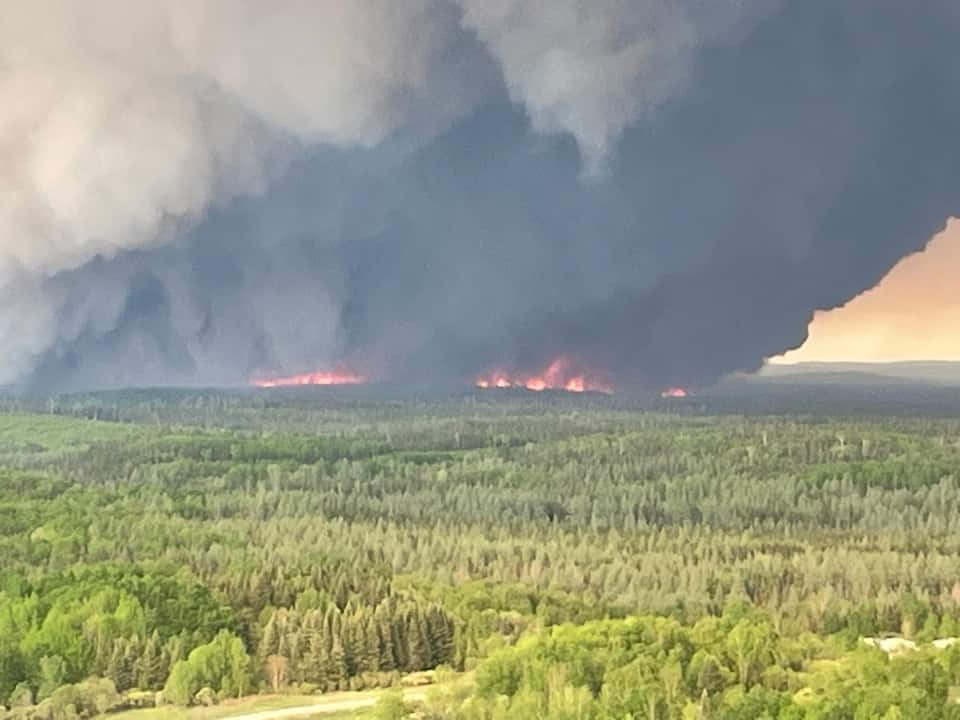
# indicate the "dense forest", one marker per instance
pixel 576 557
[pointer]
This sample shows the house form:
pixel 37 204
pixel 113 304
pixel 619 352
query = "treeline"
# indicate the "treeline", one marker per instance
pixel 326 648
pixel 141 630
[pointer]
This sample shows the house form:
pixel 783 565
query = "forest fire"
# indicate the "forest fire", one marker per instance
pixel 558 375
pixel 674 392
pixel 337 377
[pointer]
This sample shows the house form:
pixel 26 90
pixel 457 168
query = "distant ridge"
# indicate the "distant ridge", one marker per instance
pixel 860 373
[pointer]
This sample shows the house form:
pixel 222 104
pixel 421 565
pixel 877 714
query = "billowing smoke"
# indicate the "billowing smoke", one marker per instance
pixel 594 68
pixel 664 192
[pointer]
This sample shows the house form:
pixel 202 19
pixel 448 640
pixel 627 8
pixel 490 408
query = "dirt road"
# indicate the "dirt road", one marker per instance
pixel 341 702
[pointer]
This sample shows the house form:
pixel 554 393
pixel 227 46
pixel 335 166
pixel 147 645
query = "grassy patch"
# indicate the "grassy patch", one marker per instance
pixel 365 714
pixel 44 433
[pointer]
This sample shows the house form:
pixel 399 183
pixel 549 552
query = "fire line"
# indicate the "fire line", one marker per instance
pixel 313 378
pixel 560 374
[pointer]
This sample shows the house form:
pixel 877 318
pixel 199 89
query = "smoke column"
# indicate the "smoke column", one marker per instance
pixel 664 192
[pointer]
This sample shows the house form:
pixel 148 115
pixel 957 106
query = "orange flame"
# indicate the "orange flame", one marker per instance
pixel 337 377
pixel 558 375
pixel 575 385
pixel 674 392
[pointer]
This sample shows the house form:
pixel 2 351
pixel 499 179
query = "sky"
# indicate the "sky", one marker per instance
pixel 912 314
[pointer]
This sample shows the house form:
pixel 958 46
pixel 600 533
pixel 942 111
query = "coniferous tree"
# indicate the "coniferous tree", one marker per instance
pixel 148 667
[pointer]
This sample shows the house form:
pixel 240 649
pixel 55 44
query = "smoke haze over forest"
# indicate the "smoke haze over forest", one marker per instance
pixel 191 193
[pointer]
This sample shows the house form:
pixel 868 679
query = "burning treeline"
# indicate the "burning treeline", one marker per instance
pixel 336 377
pixel 561 374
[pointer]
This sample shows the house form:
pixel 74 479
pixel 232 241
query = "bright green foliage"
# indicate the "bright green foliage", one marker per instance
pixel 638 666
pixel 90 698
pixel 95 621
pixel 391 707
pixel 222 664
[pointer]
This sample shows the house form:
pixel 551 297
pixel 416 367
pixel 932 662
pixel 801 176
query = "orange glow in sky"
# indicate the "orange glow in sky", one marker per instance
pixel 912 314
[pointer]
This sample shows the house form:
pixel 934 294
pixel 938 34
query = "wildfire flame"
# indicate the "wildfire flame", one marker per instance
pixel 336 377
pixel 674 392
pixel 558 375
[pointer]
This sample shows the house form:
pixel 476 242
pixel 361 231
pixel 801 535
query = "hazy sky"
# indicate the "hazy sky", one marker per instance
pixel 912 314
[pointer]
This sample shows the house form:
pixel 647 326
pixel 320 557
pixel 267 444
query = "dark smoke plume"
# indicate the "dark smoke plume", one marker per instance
pixel 664 192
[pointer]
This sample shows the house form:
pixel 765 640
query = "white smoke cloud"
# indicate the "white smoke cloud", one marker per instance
pixel 122 123
pixel 335 72
pixel 593 67
pixel 27 320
